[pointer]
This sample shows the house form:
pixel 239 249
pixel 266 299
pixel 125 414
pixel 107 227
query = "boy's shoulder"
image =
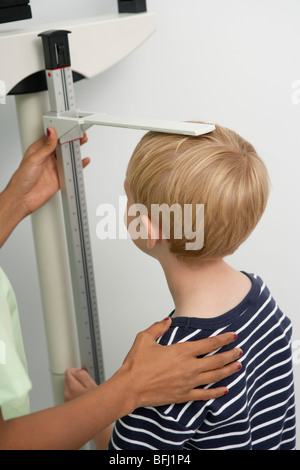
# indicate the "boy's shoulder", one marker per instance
pixel 257 307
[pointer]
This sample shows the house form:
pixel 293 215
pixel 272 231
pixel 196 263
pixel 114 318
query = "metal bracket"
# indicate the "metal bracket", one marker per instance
pixel 79 121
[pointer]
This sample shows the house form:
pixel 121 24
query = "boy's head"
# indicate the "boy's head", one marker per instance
pixel 220 170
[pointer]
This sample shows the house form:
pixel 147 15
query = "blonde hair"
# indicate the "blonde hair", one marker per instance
pixel 220 170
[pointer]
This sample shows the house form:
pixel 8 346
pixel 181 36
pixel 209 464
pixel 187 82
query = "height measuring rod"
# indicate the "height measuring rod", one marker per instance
pixel 62 101
pixel 70 123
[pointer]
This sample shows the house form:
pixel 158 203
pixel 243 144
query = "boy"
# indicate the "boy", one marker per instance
pixel 222 171
pixel 71 425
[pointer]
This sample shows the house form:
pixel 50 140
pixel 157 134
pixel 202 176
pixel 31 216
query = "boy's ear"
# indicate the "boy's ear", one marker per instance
pixel 153 233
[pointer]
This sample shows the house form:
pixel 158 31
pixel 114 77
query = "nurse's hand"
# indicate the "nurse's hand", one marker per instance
pixel 36 180
pixel 32 185
pixel 161 375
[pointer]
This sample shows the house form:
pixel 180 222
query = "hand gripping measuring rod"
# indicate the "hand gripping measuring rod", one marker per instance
pixel 62 102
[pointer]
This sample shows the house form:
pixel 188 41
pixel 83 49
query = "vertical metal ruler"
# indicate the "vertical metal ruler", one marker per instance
pixel 62 102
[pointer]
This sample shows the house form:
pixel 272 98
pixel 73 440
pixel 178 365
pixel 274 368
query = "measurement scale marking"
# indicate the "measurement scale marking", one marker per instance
pixel 84 257
pixel 62 99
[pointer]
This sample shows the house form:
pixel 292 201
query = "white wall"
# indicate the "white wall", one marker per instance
pixel 230 62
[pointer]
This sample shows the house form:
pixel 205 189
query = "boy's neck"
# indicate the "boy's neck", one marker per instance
pixel 204 289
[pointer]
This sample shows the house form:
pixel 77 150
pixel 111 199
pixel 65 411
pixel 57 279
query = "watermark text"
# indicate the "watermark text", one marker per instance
pixel 296 92
pixel 186 222
pixel 2 92
pixel 296 352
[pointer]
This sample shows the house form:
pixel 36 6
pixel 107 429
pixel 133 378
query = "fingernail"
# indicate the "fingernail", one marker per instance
pixel 48 132
pixel 165 319
pixel 240 353
pixel 239 366
pixel 226 391
pixel 235 336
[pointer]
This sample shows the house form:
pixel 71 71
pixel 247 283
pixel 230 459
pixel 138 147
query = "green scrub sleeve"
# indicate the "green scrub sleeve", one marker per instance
pixel 14 381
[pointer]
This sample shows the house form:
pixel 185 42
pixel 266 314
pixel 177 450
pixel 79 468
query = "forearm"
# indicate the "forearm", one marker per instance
pixel 71 425
pixel 102 439
pixel 10 215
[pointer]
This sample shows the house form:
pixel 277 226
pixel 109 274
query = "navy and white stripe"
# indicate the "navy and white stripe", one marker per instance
pixel 258 412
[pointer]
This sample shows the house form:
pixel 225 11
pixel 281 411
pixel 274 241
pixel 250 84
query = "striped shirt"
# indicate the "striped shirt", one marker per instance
pixel 258 412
